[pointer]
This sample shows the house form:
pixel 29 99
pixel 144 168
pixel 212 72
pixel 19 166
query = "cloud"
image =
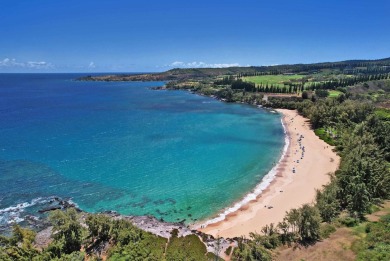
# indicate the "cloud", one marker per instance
pixel 12 63
pixel 91 65
pixel 178 64
pixel 39 65
pixel 7 62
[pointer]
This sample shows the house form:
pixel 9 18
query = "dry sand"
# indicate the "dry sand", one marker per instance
pixel 288 190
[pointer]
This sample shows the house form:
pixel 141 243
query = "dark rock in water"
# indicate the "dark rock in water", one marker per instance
pixel 49 209
pixel 158 202
pixel 158 211
pixel 158 88
pixel 65 204
pixel 190 215
pixel 62 204
pixel 111 213
pixel 172 201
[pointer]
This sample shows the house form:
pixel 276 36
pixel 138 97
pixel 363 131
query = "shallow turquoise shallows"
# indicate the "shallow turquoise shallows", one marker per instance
pixel 122 146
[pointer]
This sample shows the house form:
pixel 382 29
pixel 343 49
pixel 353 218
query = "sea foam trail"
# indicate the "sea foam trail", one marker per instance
pixel 265 182
pixel 13 214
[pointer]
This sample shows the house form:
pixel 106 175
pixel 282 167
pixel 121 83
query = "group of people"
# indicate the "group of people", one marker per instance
pixel 302 148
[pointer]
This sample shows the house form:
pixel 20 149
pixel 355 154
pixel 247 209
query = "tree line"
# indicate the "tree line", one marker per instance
pixel 345 81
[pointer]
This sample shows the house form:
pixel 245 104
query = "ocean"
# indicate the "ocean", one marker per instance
pixel 124 147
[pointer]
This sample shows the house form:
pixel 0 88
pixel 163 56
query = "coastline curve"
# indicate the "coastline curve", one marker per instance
pixel 265 182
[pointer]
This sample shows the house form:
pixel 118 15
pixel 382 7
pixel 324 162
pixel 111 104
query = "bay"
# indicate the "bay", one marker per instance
pixel 122 146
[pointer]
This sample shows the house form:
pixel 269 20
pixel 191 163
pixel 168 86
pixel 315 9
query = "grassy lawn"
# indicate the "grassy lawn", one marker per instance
pixel 323 135
pixel 334 94
pixel 272 79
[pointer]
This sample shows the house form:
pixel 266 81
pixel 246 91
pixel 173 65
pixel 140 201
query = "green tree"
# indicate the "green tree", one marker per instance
pixel 327 202
pixel 322 93
pixel 309 223
pixel 99 227
pixel 363 176
pixel 67 230
pixel 123 232
pixel 19 246
pixel 250 250
pixel 304 223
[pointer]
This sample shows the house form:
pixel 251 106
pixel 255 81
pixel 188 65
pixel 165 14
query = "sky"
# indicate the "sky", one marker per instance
pixel 151 35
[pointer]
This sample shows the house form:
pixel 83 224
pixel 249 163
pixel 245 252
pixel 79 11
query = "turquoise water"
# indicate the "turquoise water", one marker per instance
pixel 122 146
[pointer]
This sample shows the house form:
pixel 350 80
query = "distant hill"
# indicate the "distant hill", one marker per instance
pixel 351 66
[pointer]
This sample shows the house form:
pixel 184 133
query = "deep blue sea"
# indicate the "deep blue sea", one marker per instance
pixel 125 147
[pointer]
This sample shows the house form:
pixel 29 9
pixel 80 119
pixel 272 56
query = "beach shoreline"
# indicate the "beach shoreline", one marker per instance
pixel 302 169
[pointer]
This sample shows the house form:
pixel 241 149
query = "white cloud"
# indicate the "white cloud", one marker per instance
pixel 12 63
pixel 178 64
pixel 91 65
pixel 39 65
pixel 7 62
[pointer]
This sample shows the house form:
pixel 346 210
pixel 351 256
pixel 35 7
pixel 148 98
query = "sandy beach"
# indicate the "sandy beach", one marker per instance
pixel 303 169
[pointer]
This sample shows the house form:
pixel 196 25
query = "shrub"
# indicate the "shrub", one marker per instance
pixel 228 251
pixel 326 230
pixel 349 221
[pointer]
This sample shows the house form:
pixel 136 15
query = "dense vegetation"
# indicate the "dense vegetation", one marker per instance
pixel 75 238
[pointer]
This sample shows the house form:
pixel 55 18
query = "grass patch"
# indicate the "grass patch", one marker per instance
pixel 186 248
pixel 360 230
pixel 374 208
pixel 375 245
pixel 334 93
pixel 326 230
pixel 348 221
pixel 325 136
pixel 151 247
pixel 277 80
pixel 383 113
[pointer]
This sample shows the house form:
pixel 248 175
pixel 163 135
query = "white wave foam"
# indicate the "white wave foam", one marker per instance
pixel 265 182
pixel 73 203
pixel 12 214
